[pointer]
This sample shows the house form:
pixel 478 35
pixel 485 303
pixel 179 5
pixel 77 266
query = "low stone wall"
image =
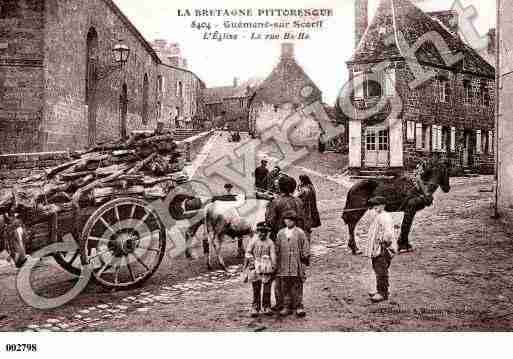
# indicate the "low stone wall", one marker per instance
pixel 20 165
pixel 194 144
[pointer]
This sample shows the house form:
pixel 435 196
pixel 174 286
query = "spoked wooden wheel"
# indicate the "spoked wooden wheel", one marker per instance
pixel 69 261
pixel 124 241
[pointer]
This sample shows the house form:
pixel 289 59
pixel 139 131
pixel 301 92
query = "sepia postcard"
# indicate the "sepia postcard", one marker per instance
pixel 313 166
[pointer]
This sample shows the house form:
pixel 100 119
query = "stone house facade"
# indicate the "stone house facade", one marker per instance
pixel 57 89
pixel 229 105
pixel 407 105
pixel 283 95
pixel 505 113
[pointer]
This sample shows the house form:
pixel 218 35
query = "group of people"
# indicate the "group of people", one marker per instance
pixel 281 250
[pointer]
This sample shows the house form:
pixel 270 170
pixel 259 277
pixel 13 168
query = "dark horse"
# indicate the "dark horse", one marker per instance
pixel 402 194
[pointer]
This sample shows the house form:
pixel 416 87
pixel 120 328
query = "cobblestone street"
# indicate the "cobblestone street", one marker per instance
pixel 458 278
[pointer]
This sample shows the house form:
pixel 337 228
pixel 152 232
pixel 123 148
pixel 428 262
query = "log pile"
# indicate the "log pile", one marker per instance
pixel 147 165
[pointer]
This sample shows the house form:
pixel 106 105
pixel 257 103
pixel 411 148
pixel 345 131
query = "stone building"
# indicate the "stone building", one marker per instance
pixel 58 88
pixel 284 93
pixel 505 112
pixel 418 89
pixel 229 105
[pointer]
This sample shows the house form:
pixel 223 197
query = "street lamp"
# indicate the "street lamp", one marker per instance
pixel 121 53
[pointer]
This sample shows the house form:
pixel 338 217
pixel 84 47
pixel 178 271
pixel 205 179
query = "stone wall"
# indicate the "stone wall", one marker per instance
pixel 21 74
pixel 505 123
pixel 44 105
pixel 16 166
pixel 67 24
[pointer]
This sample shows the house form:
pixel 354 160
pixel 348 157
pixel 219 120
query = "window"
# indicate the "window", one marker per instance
pixel 423 137
pixel 373 85
pixel 442 90
pixel 485 94
pixel 178 112
pixel 490 142
pixel 241 102
pixel 436 138
pixel 410 130
pixel 370 141
pixel 179 89
pixel 145 100
pixel 446 139
pixel 370 84
pixel 383 140
pixel 467 91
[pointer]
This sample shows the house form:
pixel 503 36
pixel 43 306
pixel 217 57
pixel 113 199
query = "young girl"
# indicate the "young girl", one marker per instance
pixel 293 253
pixel 259 264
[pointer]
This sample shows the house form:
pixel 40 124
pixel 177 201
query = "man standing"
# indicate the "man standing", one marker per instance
pixel 261 174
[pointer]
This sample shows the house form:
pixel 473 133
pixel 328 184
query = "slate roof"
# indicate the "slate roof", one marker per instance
pixel 285 84
pixel 400 20
pixel 218 94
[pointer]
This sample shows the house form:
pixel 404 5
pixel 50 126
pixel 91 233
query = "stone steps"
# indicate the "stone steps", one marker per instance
pixel 184 133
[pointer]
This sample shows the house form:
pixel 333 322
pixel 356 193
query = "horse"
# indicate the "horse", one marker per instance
pixel 402 195
pixel 223 218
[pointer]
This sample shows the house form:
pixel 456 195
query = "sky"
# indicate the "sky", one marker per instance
pixel 323 56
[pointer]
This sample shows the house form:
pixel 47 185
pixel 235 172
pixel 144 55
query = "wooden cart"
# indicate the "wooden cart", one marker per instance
pixel 123 238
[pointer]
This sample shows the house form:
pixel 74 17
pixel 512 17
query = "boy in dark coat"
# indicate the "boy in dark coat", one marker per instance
pixel 292 253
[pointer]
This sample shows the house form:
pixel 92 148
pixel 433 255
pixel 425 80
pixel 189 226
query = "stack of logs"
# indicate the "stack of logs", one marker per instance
pixel 147 165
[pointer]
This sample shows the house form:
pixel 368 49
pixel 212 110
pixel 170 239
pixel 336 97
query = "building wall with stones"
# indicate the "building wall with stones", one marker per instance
pixel 21 74
pixel 505 115
pixel 48 102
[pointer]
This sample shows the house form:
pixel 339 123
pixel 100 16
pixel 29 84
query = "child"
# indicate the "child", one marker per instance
pixel 381 233
pixel 293 252
pixel 260 262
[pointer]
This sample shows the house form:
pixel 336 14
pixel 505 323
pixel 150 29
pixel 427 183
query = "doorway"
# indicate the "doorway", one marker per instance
pixel 376 146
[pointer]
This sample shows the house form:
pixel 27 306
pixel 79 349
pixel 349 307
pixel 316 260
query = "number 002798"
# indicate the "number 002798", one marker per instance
pixel 21 347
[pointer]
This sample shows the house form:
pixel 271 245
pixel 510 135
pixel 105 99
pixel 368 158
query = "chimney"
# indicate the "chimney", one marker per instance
pixel 361 15
pixel 287 50
pixel 491 42
pixel 235 82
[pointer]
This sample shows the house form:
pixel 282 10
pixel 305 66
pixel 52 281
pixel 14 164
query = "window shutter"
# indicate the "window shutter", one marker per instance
pixel 490 142
pixel 434 137
pixel 358 83
pixel 478 141
pixel 163 84
pixel 418 130
pixel 453 139
pixel 428 138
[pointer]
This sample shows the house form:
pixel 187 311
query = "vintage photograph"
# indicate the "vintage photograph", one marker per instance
pixel 255 166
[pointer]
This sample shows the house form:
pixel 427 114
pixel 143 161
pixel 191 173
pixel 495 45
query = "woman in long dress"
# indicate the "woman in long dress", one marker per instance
pixel 307 194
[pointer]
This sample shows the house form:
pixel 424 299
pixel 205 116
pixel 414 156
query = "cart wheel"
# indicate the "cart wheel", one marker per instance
pixel 69 261
pixel 124 240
